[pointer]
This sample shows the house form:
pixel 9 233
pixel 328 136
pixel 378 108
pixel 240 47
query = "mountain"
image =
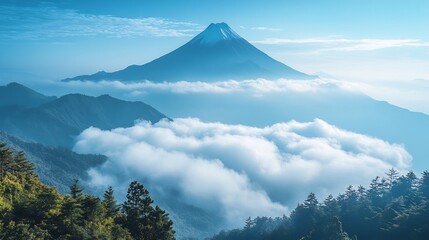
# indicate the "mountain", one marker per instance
pixel 58 122
pixel 54 166
pixel 217 53
pixel 17 94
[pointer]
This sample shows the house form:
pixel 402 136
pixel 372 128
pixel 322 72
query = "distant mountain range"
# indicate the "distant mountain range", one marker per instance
pixel 57 121
pixel 217 53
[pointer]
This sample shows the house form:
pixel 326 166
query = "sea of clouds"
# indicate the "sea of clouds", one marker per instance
pixel 236 170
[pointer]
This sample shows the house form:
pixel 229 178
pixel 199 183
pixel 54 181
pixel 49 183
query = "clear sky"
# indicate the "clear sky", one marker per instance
pixel 382 44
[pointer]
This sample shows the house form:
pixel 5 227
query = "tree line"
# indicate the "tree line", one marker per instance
pixel 31 210
pixel 392 207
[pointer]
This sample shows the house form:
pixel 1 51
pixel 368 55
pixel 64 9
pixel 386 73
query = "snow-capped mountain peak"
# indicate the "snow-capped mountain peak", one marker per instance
pixel 214 33
pixel 218 53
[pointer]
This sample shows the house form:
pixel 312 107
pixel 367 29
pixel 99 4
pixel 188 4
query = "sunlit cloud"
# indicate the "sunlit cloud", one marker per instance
pixel 238 170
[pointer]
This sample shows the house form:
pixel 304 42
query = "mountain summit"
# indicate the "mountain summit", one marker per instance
pixel 214 33
pixel 15 94
pixel 217 53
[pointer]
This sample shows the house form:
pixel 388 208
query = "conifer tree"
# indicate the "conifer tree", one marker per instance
pixel 22 165
pixel 142 220
pixel 424 185
pixel 138 208
pixel 75 189
pixel 392 176
pixel 6 160
pixel 162 226
pixel 109 202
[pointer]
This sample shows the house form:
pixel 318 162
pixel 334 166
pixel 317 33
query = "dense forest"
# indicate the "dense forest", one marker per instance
pixel 32 210
pixel 392 207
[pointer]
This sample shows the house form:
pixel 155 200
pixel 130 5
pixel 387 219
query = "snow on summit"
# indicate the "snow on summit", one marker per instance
pixel 216 32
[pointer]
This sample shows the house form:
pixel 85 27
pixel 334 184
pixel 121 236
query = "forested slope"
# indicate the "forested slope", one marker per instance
pixel 32 210
pixel 392 207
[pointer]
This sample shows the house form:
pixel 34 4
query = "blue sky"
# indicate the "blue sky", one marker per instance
pixel 382 44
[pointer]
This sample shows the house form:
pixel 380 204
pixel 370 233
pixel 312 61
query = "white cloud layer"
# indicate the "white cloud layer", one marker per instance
pixel 49 22
pixel 407 94
pixel 237 170
pixel 255 86
pixel 344 44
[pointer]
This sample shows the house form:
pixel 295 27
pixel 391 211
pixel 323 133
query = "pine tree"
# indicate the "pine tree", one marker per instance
pixel 249 223
pixel 311 201
pixel 424 185
pixel 75 189
pixel 72 212
pixel 361 192
pixel 392 176
pixel 138 208
pixel 162 226
pixel 142 220
pixel 330 206
pixel 22 165
pixel 305 216
pixel 109 203
pixel 375 193
pixel 6 160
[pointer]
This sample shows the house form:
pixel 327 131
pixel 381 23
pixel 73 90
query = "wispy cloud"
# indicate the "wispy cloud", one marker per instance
pixel 344 44
pixel 266 29
pixel 50 22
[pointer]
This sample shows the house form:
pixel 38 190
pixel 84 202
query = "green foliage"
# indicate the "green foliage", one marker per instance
pixel 393 207
pixel 76 190
pixel 32 210
pixel 144 221
pixel 109 203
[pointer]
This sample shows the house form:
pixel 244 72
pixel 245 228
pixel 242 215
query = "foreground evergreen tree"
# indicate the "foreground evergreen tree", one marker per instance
pixel 143 221
pixel 109 203
pixel 6 160
pixel 76 190
pixel 31 210
pixel 393 207
pixel 22 165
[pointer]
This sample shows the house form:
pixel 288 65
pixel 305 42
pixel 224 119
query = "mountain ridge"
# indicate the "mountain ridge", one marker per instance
pixel 57 122
pixel 17 94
